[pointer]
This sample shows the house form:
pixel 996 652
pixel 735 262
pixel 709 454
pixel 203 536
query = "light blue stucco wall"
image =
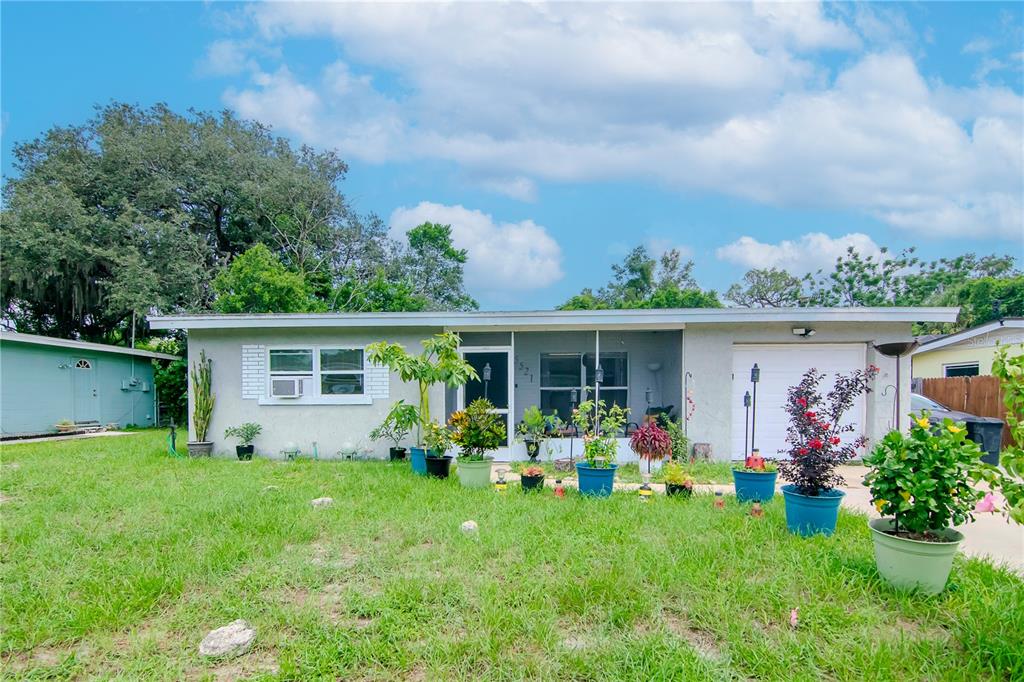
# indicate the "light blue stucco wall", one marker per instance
pixel 37 388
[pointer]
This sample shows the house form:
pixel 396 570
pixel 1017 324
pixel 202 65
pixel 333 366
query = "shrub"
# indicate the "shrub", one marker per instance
pixel 477 429
pixel 599 425
pixel 651 442
pixel 397 424
pixel 814 433
pixel 245 433
pixel 1010 481
pixel 675 474
pixel 436 438
pixel 923 479
pixel 680 443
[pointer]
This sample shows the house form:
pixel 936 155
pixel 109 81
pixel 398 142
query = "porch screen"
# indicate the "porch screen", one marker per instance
pixel 563 373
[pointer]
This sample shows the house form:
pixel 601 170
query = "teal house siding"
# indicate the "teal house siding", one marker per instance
pixel 43 384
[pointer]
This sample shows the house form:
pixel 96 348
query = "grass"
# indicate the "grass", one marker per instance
pixel 702 472
pixel 116 560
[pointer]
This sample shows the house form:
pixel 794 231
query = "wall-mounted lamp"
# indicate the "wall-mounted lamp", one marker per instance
pixel 803 331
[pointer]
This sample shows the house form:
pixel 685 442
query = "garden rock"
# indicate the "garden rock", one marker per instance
pixel 322 502
pixel 470 527
pixel 234 639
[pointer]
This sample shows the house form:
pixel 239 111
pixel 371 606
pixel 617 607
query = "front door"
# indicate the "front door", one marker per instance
pixel 86 397
pixel 493 365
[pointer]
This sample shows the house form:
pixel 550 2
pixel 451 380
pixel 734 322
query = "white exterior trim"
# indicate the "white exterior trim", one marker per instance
pixel 966 334
pixel 83 345
pixel 675 318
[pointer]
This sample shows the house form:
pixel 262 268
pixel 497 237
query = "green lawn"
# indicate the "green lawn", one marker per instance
pixel 116 560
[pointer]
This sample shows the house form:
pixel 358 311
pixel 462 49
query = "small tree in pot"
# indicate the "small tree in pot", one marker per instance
pixel 599 425
pixel 202 405
pixel 245 433
pixel 534 429
pixel 437 440
pixel 651 443
pixel 923 481
pixel 477 430
pixel 398 423
pixel 816 448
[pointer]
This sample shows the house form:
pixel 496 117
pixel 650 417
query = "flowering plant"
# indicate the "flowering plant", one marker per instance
pixel 599 425
pixel 814 433
pixel 532 471
pixel 923 479
pixel 651 442
pixel 477 429
pixel 436 438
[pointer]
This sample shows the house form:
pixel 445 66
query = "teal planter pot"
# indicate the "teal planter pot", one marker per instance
pixel 808 515
pixel 474 474
pixel 754 487
pixel 418 458
pixel 596 481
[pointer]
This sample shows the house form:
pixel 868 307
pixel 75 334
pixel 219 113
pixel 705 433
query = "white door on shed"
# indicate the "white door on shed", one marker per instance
pixel 782 366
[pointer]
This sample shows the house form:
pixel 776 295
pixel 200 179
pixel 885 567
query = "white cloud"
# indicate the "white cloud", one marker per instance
pixel 716 97
pixel 503 257
pixel 809 253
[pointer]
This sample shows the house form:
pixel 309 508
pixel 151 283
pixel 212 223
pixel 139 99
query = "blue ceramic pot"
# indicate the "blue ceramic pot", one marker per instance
pixel 754 487
pixel 418 458
pixel 807 515
pixel 595 481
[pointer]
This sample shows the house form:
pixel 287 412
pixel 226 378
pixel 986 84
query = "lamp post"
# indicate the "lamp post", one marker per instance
pixel 746 422
pixel 755 376
pixel 487 377
pixel 598 380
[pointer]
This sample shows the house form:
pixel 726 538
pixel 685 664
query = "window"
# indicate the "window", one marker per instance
pixel 323 372
pixel 564 378
pixel 962 369
pixel 83 364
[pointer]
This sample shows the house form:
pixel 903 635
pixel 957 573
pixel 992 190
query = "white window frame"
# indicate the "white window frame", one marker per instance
pixel 311 380
pixel 583 390
pixel 960 365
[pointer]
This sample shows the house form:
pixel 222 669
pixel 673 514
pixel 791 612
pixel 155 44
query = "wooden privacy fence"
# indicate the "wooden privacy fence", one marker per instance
pixel 974 395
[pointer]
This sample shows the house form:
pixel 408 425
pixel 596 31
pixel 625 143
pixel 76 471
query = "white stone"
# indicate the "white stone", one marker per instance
pixel 322 502
pixel 470 527
pixel 234 639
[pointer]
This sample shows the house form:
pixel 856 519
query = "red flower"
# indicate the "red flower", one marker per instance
pixel 816 444
pixel 826 426
pixel 872 368
pixel 802 402
pixel 804 451
pixel 810 415
pixel 836 440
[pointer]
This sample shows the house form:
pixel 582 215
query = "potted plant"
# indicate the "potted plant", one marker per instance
pixel 532 478
pixel 396 426
pixel 921 484
pixel 599 425
pixel 677 481
pixel 534 429
pixel 754 481
pixel 477 430
pixel 437 440
pixel 202 405
pixel 816 448
pixel 651 443
pixel 680 443
pixel 65 426
pixel 246 434
pixel 438 363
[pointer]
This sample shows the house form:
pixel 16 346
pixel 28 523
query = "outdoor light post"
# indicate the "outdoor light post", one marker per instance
pixel 755 376
pixel 746 422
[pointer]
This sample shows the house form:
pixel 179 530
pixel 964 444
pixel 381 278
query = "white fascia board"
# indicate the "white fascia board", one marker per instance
pixel 980 330
pixel 557 319
pixel 82 345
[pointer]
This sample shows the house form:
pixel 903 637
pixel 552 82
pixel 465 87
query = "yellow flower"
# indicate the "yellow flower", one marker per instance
pixel 905 495
pixel 954 429
pixel 923 422
pixel 879 504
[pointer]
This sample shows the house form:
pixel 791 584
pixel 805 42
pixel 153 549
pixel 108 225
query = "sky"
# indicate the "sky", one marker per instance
pixel 555 137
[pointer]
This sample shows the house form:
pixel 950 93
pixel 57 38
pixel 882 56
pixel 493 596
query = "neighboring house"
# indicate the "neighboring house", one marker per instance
pixel 968 353
pixel 44 380
pixel 306 378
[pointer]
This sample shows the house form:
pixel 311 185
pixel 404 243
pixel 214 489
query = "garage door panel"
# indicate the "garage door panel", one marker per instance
pixel 783 366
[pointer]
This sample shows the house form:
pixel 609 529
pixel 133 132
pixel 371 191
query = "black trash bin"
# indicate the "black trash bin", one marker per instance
pixel 987 432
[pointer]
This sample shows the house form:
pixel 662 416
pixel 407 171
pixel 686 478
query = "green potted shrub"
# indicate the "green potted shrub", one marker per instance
pixel 65 426
pixel 438 363
pixel 532 478
pixel 437 440
pixel 245 433
pixel 677 481
pixel 398 423
pixel 202 405
pixel 477 430
pixel 599 425
pixel 921 484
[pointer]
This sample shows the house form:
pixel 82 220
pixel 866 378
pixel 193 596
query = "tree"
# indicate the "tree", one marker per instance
pixel 640 281
pixel 767 288
pixel 986 299
pixel 858 280
pixel 257 282
pixel 434 268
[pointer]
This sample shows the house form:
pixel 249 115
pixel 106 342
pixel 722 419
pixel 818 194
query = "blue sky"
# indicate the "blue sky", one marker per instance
pixel 554 138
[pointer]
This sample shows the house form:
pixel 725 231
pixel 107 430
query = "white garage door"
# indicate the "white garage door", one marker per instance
pixel 782 366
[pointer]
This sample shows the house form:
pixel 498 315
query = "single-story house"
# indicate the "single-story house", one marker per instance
pixel 307 380
pixel 44 380
pixel 968 353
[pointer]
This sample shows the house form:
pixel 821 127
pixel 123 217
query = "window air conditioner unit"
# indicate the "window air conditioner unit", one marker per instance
pixel 286 388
